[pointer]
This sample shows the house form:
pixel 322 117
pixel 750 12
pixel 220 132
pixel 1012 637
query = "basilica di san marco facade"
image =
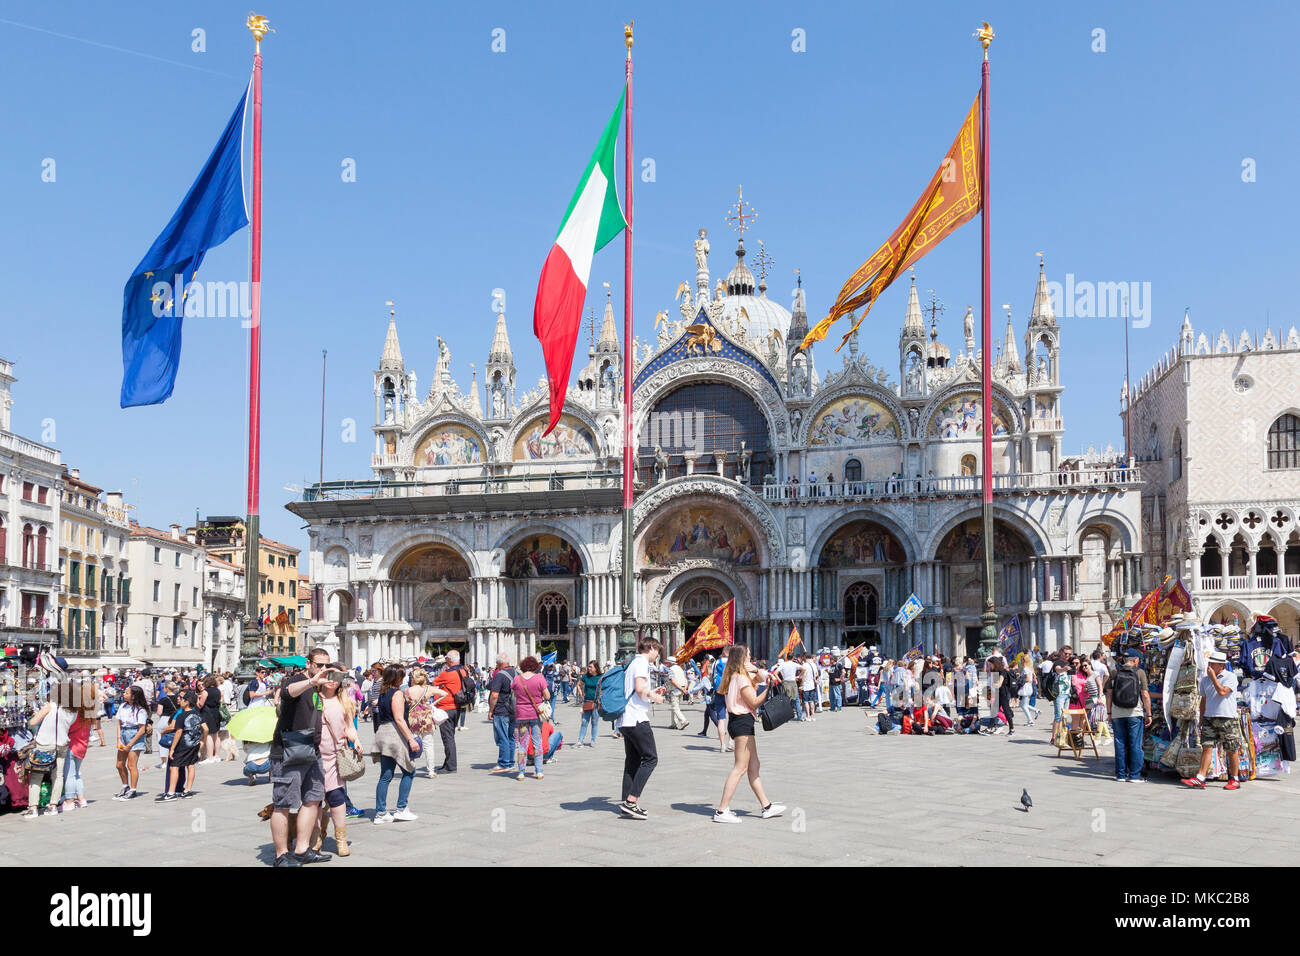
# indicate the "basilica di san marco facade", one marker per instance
pixel 820 498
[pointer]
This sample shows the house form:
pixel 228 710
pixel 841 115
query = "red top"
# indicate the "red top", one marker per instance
pixel 448 680
pixel 79 736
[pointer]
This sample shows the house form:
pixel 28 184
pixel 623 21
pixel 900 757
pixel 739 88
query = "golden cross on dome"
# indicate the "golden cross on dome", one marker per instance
pixel 762 262
pixel 742 214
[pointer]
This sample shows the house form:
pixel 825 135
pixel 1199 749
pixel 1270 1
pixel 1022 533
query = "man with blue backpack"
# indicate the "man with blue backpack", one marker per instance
pixel 626 694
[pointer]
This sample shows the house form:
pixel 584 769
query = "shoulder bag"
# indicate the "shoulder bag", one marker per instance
pixel 349 761
pixel 36 760
pixel 543 709
pixel 777 709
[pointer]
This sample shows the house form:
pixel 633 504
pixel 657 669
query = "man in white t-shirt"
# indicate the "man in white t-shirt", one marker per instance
pixel 808 686
pixel 640 756
pixel 788 671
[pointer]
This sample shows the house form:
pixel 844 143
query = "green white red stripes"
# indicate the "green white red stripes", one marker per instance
pixel 592 220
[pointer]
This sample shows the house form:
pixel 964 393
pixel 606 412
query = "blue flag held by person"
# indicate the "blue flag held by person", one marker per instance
pixel 153 302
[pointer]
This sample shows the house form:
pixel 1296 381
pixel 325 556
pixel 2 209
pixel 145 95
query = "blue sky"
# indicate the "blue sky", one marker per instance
pixel 1120 166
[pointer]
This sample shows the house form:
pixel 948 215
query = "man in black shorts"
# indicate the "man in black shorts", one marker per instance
pixel 299 786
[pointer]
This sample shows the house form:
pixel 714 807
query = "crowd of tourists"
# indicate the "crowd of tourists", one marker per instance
pixel 171 723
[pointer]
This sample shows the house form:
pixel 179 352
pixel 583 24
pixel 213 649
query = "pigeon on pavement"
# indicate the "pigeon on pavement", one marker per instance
pixel 1025 801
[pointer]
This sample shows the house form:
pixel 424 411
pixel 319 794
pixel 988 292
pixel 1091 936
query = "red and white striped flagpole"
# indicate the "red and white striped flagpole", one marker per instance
pixel 252 535
pixel 627 626
pixel 988 620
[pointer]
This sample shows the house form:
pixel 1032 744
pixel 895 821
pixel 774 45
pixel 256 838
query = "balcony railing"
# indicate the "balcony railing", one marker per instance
pixel 1241 582
pixel 1054 481
pixel 28 448
pixel 498 484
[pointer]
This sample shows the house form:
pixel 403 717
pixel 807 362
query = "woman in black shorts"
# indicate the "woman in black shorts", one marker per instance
pixel 743 702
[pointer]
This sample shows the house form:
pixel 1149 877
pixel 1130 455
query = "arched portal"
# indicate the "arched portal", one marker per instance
pixel 700 421
pixel 961 560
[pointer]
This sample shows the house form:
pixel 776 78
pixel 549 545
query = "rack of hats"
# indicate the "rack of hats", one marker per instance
pixel 1175 656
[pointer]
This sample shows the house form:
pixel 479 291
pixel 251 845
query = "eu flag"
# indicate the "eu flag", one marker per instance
pixel 211 212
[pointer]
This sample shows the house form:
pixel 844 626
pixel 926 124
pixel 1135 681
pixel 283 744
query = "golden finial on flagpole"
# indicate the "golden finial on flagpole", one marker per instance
pixel 627 37
pixel 985 36
pixel 259 26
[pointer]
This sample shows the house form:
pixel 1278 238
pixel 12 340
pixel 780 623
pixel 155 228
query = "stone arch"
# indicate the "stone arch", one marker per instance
pixel 878 395
pixel 409 543
pixel 1002 399
pixel 663 602
pixel 558 528
pixel 1116 525
pixel 1025 524
pixel 1223 610
pixel 708 489
pixel 415 436
pixel 701 528
pixel 846 517
pixel 726 371
pixel 336 601
pixel 1289 623
pixel 540 411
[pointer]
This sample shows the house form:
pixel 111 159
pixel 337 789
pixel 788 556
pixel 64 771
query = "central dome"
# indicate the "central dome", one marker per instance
pixel 764 316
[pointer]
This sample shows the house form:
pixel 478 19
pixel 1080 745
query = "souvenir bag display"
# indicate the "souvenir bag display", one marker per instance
pixel 1186 702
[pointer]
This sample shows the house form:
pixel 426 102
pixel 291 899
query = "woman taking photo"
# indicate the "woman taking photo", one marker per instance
pixel 529 688
pixel 394 745
pixel 742 706
pixel 590 687
pixel 132 719
pixel 337 732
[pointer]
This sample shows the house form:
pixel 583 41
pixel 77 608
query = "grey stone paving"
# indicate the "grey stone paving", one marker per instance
pixel 854 798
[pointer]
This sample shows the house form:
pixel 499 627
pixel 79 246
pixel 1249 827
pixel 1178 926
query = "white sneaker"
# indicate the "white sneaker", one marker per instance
pixel 383 818
pixel 402 816
pixel 773 810
pixel 725 816
pixel 31 814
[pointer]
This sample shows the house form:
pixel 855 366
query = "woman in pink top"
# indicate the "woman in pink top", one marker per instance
pixel 74 788
pixel 743 702
pixel 530 690
pixel 337 732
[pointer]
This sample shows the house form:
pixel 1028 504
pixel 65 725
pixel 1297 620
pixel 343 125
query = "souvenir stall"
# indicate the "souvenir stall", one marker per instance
pixel 17 705
pixel 1174 657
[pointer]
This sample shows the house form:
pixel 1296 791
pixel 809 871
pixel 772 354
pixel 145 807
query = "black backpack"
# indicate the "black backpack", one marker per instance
pixel 883 724
pixel 468 688
pixel 243 697
pixel 1126 692
pixel 1047 685
pixel 1015 679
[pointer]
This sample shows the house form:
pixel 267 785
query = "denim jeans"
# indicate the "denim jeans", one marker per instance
pixel 864 693
pixel 589 719
pixel 883 689
pixel 503 729
pixel 73 785
pixel 837 696
pixel 1128 747
pixel 564 689
pixel 386 767
pixel 524 729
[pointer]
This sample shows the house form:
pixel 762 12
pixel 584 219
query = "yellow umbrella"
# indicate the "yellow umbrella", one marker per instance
pixel 254 724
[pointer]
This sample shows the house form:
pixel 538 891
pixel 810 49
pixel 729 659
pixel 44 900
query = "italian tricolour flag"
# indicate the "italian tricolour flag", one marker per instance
pixel 592 220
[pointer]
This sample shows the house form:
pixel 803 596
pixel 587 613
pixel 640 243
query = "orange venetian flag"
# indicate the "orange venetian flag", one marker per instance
pixel 951 198
pixel 791 644
pixel 1145 611
pixel 716 630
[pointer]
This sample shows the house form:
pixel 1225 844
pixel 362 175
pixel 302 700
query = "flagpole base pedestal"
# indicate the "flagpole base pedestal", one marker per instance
pixel 250 652
pixel 988 633
pixel 626 639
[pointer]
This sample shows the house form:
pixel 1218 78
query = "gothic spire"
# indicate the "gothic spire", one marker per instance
pixel 608 341
pixel 392 355
pixel 501 344
pixel 913 321
pixel 1042 313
